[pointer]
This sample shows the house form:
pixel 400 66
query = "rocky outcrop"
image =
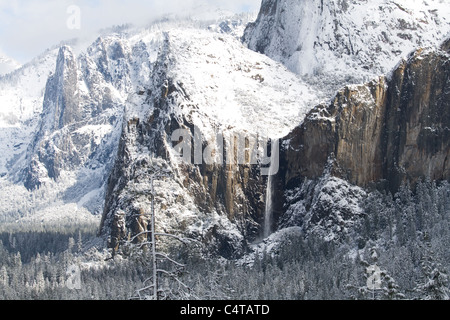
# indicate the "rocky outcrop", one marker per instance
pixel 61 108
pixel 348 131
pixel 388 132
pixel 235 192
pixel 84 102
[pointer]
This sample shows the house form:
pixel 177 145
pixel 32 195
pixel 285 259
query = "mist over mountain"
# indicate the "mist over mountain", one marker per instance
pixel 7 65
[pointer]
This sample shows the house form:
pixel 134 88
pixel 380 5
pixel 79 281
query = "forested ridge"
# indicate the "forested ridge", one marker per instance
pixel 405 236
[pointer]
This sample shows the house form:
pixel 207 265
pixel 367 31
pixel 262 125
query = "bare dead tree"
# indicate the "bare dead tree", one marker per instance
pixel 152 289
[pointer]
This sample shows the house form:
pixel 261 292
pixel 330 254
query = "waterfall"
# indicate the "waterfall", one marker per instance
pixel 273 169
pixel 269 211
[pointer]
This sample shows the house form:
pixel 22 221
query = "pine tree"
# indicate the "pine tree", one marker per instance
pixel 40 282
pixel 71 245
pixel 390 288
pixel 79 242
pixel 4 279
pixel 434 283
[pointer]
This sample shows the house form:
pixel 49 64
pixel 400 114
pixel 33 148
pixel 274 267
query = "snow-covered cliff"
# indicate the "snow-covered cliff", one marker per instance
pixel 343 41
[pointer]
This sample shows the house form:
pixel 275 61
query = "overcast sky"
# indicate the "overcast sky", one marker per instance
pixel 28 27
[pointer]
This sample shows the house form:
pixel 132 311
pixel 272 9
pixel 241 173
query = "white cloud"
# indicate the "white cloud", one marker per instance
pixel 28 27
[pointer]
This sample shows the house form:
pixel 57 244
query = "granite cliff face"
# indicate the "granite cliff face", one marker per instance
pixel 347 131
pixel 391 131
pixel 418 121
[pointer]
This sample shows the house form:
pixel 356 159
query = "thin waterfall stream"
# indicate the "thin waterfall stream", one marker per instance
pixel 273 170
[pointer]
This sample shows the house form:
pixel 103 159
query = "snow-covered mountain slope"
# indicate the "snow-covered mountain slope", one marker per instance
pixel 61 117
pixel 21 101
pixel 233 86
pixel 7 65
pixel 343 41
